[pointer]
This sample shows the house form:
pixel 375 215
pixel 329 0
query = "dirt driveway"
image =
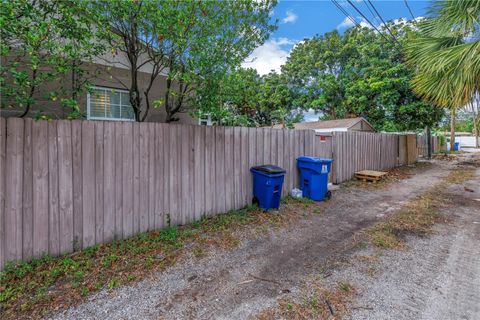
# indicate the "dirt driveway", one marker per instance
pixel 240 283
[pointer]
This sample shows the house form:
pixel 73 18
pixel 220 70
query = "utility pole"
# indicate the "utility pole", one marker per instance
pixel 429 143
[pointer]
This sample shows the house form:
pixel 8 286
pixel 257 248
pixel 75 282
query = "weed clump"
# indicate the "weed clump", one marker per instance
pixel 315 302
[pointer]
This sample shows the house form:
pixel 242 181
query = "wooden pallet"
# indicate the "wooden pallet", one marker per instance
pixel 370 175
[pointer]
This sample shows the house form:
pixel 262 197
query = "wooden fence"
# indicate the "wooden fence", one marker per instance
pixel 423 146
pixel 67 185
pixel 355 151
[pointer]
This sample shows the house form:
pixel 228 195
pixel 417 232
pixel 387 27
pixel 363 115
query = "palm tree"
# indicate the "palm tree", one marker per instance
pixel 446 55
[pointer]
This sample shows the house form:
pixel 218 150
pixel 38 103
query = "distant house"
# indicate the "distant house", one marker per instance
pixel 350 124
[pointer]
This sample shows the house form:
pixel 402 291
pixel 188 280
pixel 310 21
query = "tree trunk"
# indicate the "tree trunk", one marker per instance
pixel 453 122
pixel 476 130
pixel 168 118
pixel 32 91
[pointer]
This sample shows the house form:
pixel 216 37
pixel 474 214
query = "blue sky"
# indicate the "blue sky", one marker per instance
pixel 304 19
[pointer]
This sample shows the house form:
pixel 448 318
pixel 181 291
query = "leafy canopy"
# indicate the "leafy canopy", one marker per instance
pixel 243 97
pixel 42 42
pixel 359 73
pixel 192 42
pixel 446 53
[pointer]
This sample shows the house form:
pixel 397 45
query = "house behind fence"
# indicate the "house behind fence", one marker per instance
pixel 67 185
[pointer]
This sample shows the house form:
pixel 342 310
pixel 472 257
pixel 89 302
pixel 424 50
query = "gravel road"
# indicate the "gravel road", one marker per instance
pixel 437 278
pixel 420 283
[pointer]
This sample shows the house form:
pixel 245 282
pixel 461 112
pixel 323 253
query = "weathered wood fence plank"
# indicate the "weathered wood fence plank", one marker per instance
pixel 118 189
pixel 209 171
pixel 229 174
pixel 99 214
pixel 65 185
pixel 27 222
pixel 128 177
pixel 77 184
pixel 40 188
pixel 220 195
pixel 14 189
pixel 199 168
pixel 3 138
pixel 159 191
pixel 54 216
pixel 88 183
pixel 109 204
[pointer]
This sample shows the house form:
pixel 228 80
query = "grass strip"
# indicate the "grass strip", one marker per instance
pixel 418 216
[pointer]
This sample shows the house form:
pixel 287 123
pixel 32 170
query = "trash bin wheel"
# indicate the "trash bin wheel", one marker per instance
pixel 255 201
pixel 328 195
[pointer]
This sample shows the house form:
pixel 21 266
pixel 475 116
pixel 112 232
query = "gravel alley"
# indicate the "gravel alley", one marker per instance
pixel 437 277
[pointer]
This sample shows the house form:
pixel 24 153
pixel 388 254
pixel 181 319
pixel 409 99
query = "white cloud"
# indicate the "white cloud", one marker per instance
pixel 270 56
pixel 364 24
pixel 346 23
pixel 290 18
pixel 311 115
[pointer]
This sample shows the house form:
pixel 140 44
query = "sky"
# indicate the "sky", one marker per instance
pixel 302 19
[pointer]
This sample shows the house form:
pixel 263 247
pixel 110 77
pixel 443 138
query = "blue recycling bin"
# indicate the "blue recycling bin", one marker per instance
pixel 456 146
pixel 267 185
pixel 314 177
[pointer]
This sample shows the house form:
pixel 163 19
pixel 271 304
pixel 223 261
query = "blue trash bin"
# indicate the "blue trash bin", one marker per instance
pixel 267 185
pixel 314 177
pixel 456 146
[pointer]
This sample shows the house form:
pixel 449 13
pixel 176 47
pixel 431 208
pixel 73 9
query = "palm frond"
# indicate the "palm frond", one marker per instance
pixel 446 54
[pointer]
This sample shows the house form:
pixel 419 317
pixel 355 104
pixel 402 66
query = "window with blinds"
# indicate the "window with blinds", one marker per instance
pixel 109 104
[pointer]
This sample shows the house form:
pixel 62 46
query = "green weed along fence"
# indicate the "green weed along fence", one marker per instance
pixel 67 185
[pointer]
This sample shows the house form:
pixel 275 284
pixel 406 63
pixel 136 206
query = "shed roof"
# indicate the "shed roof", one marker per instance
pixel 328 124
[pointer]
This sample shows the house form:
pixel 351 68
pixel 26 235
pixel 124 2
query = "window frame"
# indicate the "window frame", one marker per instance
pixel 205 121
pixel 89 117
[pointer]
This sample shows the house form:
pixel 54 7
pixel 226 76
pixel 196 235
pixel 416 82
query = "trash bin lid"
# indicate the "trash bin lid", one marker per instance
pixel 269 168
pixel 314 159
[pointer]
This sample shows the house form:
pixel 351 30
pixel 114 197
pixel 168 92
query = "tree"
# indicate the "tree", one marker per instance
pixel 474 107
pixel 44 41
pixel 243 97
pixel 359 73
pixel 446 55
pixel 277 102
pixel 190 41
pixel 313 71
pixel 230 98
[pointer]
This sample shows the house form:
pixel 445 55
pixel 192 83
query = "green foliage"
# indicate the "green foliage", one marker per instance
pixel 445 53
pixel 168 235
pixel 245 98
pixel 465 125
pixel 44 42
pixel 358 74
pixel 194 42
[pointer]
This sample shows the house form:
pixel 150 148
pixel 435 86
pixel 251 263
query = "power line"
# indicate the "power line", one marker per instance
pixel 373 14
pixel 384 23
pixel 345 13
pixel 410 10
pixel 366 19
